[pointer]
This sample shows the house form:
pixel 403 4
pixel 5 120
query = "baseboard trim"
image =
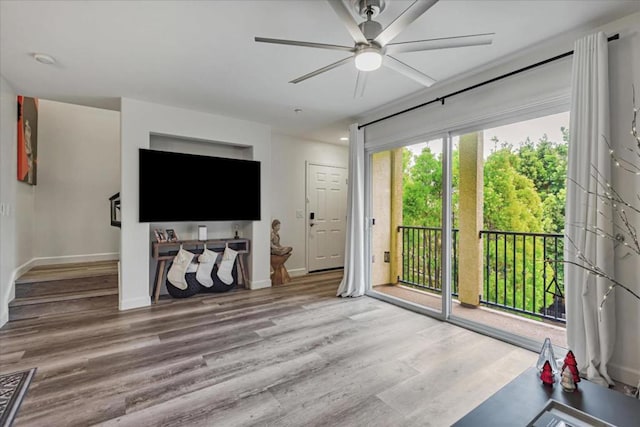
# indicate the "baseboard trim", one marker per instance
pixel 4 318
pixel 20 270
pixel 132 303
pixel 297 272
pixel 72 259
pixel 624 374
pixel 260 284
pixel 11 290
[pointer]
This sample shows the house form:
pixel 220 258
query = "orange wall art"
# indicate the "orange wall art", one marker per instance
pixel 27 139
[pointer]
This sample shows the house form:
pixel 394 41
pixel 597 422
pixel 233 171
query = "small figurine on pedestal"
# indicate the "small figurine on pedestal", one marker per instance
pixel 572 366
pixel 279 255
pixel 276 247
pixel 547 374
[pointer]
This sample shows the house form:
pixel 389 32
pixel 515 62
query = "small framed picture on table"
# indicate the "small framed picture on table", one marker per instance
pixel 160 236
pixel 172 236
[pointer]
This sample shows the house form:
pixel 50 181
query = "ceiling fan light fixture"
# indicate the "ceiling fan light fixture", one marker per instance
pixel 368 59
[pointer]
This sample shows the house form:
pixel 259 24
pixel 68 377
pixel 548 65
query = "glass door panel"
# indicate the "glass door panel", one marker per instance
pixel 508 223
pixel 407 238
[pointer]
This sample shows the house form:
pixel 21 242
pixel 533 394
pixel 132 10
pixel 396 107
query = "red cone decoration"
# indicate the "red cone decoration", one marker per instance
pixel 572 365
pixel 547 374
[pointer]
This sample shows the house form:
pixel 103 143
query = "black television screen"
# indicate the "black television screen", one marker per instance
pixel 187 187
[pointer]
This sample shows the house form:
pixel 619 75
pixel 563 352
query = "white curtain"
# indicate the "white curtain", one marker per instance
pixel 353 281
pixel 590 331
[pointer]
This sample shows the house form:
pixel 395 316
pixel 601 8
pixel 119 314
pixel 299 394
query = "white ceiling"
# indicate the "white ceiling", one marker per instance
pixel 202 54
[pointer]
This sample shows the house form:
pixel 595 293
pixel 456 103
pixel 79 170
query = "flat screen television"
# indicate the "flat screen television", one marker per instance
pixel 176 187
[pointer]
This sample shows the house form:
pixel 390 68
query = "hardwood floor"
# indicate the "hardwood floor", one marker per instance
pixel 69 271
pixel 292 355
pixel 63 297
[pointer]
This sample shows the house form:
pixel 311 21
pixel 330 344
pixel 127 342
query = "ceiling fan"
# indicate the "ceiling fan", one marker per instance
pixel 373 46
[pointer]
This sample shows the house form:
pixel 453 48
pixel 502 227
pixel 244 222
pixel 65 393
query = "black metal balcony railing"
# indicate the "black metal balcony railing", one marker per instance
pixel 518 273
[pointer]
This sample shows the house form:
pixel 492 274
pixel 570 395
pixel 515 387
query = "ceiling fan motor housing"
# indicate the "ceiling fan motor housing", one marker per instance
pixel 370 29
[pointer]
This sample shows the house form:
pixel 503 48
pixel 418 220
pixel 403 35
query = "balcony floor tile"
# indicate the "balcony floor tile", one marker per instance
pixel 533 329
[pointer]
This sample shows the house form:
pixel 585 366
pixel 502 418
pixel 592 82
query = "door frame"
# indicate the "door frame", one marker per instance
pixel 307 228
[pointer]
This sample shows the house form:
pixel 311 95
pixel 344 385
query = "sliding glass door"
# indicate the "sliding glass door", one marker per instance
pixel 469 227
pixel 410 250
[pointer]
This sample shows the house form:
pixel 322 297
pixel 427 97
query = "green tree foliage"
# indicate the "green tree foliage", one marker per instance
pixel 545 163
pixel 422 188
pixel 511 202
pixel 422 192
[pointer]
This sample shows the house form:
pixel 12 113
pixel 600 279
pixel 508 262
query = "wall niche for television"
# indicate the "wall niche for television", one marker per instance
pixel 189 229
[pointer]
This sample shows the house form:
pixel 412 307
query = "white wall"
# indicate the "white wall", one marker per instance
pixel 78 170
pixel 8 181
pixel 288 188
pixel 547 88
pixel 25 198
pixel 139 120
pixel 624 72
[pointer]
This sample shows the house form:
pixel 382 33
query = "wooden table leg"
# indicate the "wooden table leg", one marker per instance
pixel 239 271
pixel 242 274
pixel 161 265
pixel 155 282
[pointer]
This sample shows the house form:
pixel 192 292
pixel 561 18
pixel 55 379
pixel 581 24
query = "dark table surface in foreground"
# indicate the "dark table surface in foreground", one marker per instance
pixel 518 402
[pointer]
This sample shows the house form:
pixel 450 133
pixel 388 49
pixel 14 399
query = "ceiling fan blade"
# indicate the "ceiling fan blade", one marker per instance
pixel 412 73
pixel 361 82
pixel 352 26
pixel 304 44
pixel 441 43
pixel 412 13
pixel 322 70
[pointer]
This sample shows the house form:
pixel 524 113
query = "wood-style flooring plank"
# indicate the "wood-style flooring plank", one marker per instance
pixel 66 287
pixel 45 273
pixel 291 355
pixel 203 405
pixel 61 308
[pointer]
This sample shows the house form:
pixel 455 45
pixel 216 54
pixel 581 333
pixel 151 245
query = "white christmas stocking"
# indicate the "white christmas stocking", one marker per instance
pixel 179 268
pixel 193 267
pixel 207 260
pixel 226 266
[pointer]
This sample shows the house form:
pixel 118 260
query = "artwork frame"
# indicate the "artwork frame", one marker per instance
pixel 172 236
pixel 27 139
pixel 160 235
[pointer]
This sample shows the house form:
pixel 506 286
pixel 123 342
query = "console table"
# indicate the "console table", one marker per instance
pixel 518 402
pixel 166 251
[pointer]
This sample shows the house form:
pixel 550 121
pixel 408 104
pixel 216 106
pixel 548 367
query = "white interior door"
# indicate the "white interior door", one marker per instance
pixel 326 216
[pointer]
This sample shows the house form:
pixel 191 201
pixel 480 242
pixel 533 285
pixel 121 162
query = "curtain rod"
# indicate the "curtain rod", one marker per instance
pixel 441 99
